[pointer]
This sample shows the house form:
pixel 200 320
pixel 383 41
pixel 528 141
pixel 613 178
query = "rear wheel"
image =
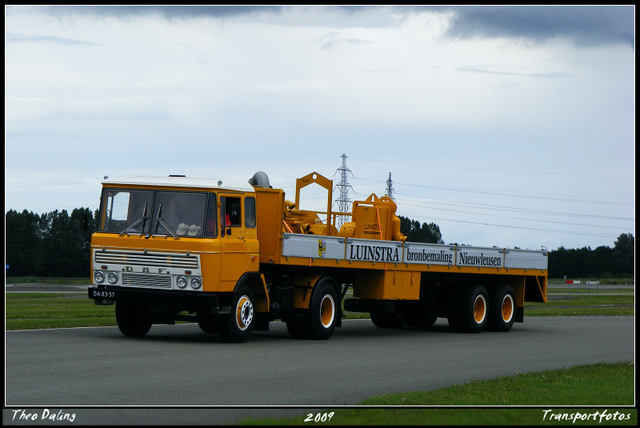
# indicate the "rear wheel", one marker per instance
pixel 502 308
pixel 388 319
pixel 133 320
pixel 423 319
pixel 237 325
pixel 322 318
pixel 295 327
pixel 453 310
pixel 474 309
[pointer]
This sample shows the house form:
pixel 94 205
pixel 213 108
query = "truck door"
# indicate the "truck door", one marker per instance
pixel 232 235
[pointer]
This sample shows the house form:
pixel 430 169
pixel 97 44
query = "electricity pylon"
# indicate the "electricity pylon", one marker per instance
pixel 343 201
pixel 389 191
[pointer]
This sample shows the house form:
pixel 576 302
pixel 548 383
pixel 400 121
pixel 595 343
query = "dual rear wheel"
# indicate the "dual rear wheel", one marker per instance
pixel 473 308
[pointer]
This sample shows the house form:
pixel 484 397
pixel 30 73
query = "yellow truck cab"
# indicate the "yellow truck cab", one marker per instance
pixel 165 246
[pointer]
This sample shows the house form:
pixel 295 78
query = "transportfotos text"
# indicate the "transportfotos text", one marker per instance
pixel 599 416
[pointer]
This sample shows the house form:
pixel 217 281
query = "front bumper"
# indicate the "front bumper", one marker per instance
pixel 182 300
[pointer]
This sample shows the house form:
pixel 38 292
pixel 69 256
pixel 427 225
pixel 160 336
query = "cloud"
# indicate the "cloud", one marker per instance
pixel 168 12
pixel 489 70
pixel 18 38
pixel 585 25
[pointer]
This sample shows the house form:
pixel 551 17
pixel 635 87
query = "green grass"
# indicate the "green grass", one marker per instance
pixel 584 305
pixel 592 385
pixel 55 310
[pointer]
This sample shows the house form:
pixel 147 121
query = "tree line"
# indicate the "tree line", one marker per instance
pixel 53 244
pixel 603 262
pixel 58 244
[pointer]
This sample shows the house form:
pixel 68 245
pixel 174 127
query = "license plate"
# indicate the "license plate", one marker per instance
pixel 103 294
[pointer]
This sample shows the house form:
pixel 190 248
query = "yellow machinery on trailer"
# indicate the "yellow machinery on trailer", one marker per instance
pixel 233 258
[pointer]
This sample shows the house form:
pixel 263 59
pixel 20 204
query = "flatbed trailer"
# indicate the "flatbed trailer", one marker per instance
pixel 237 258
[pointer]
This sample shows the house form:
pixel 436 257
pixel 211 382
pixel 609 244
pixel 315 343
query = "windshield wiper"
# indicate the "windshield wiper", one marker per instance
pixel 142 220
pixel 164 224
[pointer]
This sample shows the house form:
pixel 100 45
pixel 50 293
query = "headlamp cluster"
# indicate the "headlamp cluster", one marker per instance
pixel 195 282
pixel 99 277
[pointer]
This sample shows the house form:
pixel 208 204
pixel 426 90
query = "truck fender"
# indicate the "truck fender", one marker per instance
pixel 256 281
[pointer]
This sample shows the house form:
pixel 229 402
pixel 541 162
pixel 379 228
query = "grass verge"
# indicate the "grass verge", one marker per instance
pixel 591 385
pixel 55 310
pixel 583 305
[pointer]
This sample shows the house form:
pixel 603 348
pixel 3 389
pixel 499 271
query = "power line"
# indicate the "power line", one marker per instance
pixel 516 195
pixel 514 209
pixel 528 228
pixel 570 174
pixel 521 218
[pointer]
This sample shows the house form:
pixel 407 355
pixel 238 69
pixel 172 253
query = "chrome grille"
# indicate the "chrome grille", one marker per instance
pixel 140 258
pixel 145 280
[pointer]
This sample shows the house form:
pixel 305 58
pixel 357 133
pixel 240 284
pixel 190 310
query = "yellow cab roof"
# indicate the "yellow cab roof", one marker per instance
pixel 178 181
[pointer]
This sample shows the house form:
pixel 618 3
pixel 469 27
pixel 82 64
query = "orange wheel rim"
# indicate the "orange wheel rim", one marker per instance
pixel 244 313
pixel 327 311
pixel 479 309
pixel 507 308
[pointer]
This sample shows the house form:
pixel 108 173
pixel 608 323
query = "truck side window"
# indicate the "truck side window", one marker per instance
pixel 210 229
pixel 233 211
pixel 250 212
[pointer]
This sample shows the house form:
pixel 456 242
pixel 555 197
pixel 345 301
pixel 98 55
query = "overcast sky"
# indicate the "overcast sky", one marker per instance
pixel 507 126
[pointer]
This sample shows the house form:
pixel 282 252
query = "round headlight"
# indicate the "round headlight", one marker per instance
pixel 113 278
pixel 98 276
pixel 196 283
pixel 181 282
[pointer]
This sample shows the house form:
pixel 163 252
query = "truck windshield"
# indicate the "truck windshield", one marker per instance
pixel 121 209
pixel 131 212
pixel 179 212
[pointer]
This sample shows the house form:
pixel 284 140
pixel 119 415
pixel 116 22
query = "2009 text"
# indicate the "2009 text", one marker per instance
pixel 319 417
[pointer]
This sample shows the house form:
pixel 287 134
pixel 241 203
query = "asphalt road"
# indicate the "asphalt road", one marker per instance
pixel 181 366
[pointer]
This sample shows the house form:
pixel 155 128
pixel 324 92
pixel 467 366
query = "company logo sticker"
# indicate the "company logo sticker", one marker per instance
pixel 322 247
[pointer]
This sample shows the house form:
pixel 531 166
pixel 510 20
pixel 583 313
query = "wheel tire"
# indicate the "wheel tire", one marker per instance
pixel 206 321
pixel 322 317
pixel 502 308
pixel 237 325
pixel 388 320
pixel 296 328
pixel 474 309
pixel 134 321
pixel 453 310
pixel 421 319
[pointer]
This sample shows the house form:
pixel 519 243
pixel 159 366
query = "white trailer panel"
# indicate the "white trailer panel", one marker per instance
pixel 313 246
pixel 526 259
pixel 429 254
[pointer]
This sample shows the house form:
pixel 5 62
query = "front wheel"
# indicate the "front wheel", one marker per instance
pixel 237 325
pixel 133 320
pixel 322 318
pixel 206 321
